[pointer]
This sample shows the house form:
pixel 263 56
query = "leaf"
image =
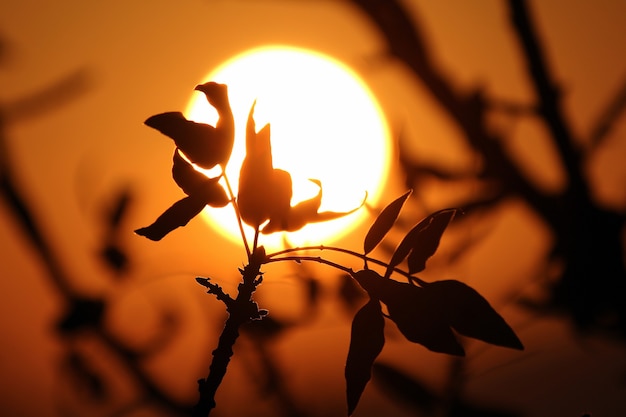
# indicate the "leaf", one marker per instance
pixel 383 223
pixel 418 236
pixel 198 185
pixel 201 143
pixel 287 218
pixel 185 176
pixel 303 213
pixel 177 215
pixel 213 194
pixel 429 239
pixel 366 342
pixel 259 184
pixel 470 314
pixel 417 315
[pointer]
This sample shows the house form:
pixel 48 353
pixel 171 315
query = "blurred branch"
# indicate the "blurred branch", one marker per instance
pixel 51 97
pixel 589 238
pixel 549 95
pixel 610 115
pixel 468 111
pixel 81 313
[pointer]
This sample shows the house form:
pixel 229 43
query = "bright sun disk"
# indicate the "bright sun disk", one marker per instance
pixel 325 124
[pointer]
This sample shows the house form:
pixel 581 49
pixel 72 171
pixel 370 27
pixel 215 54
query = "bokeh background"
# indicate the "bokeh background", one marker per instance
pixel 97 321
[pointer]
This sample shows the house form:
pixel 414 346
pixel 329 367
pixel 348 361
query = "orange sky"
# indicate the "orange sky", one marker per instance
pixel 143 58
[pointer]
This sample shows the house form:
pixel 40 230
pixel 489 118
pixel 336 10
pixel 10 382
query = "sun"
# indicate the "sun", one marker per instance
pixel 326 125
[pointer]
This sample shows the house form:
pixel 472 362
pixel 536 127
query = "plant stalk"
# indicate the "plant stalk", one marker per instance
pixel 241 310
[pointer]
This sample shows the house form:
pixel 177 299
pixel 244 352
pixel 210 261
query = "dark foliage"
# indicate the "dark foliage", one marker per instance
pixel 429 314
pixel 366 342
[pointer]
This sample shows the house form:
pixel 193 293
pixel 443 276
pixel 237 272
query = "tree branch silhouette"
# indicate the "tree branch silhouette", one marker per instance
pixel 592 287
pixel 81 312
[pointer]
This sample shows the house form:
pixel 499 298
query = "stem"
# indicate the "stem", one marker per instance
pixel 237 214
pixel 312 259
pixel 241 311
pixel 272 257
pixel 256 238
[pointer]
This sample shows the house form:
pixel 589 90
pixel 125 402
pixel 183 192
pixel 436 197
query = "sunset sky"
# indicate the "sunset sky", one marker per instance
pixel 125 61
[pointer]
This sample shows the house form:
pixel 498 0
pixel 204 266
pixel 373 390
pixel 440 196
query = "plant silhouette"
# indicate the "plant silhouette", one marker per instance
pixel 427 313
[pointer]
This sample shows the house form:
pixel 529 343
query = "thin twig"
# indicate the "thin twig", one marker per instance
pixel 233 201
pixel 610 115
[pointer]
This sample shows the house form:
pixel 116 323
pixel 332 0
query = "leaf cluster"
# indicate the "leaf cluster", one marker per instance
pixel 265 192
pixel 430 314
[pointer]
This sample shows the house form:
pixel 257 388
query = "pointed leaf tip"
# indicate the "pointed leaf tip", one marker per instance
pixel 383 223
pixel 470 314
pixel 176 216
pixel 366 342
pixel 421 242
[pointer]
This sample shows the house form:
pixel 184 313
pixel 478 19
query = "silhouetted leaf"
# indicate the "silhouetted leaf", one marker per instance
pixel 366 342
pixel 176 216
pixel 203 144
pixel 196 184
pixel 404 387
pixel 263 191
pixel 422 240
pixel 185 176
pixel 429 238
pixel 470 314
pixel 417 315
pixel 383 223
pixel 350 292
pixel 290 219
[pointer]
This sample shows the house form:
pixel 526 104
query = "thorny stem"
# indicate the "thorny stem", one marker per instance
pixel 237 214
pixel 241 310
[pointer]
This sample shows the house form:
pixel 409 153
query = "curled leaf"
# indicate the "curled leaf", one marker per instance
pixel 265 192
pixel 196 184
pixel 262 190
pixel 203 144
pixel 421 242
pixel 383 223
pixel 366 342
pixel 185 176
pixel 290 219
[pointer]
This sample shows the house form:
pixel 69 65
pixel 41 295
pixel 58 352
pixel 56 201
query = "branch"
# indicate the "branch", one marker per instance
pixel 611 114
pixel 468 111
pixel 241 310
pixel 548 94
